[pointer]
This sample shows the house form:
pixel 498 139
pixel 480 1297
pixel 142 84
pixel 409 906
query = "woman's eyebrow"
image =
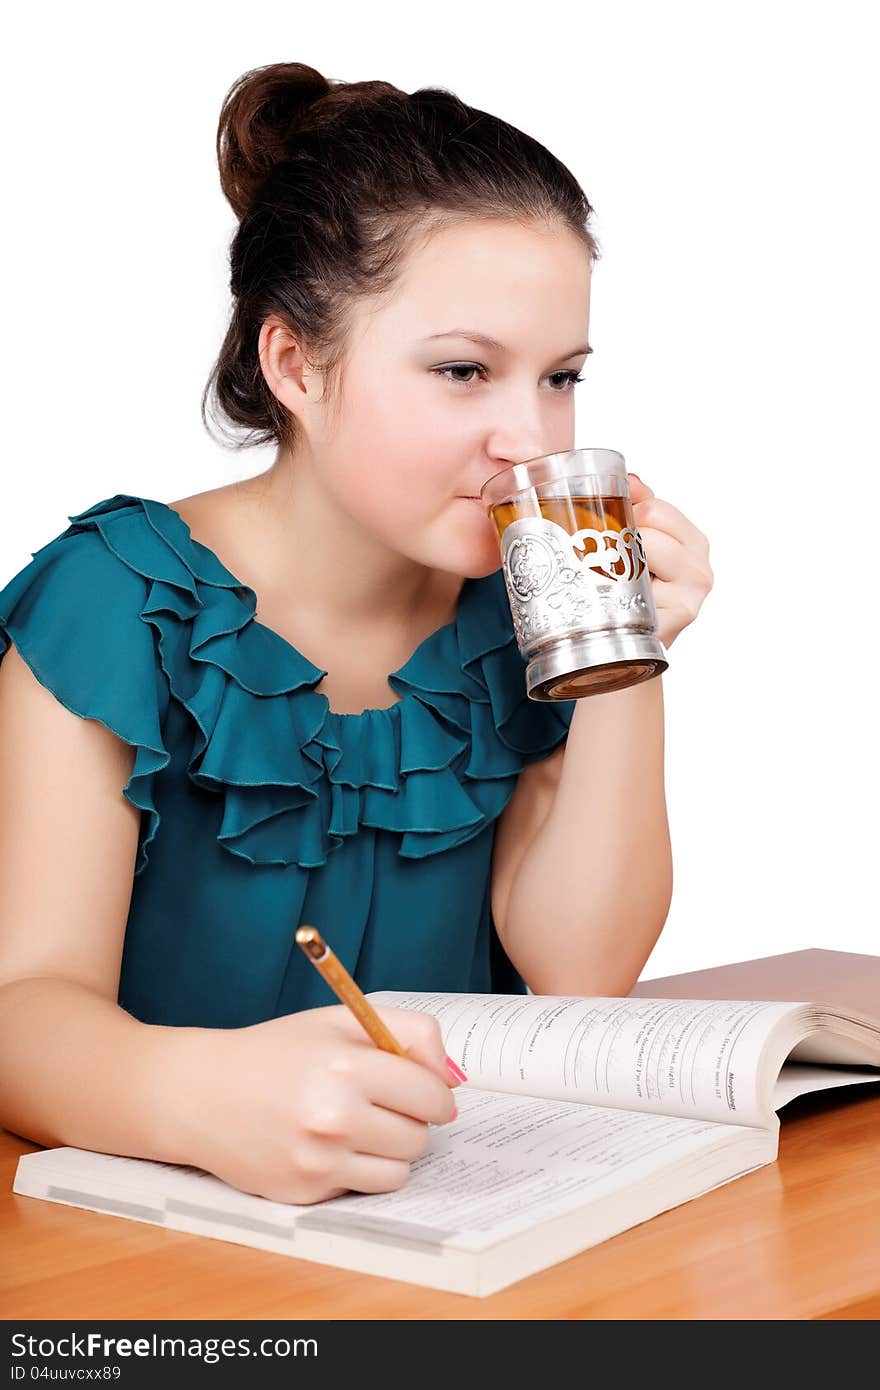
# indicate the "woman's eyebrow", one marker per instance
pixel 488 342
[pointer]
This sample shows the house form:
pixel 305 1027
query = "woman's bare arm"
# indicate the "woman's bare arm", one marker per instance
pixel 75 1068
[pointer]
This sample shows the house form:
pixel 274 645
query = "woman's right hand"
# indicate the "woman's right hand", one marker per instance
pixel 305 1107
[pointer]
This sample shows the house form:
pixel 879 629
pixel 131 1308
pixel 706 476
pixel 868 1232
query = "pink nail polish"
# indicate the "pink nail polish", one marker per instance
pixel 454 1070
pixel 455 1112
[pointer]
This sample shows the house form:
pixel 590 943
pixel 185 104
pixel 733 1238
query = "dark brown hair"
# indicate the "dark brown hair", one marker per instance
pixel 334 183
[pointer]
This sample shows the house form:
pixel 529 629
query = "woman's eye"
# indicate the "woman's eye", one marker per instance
pixel 459 367
pixel 569 378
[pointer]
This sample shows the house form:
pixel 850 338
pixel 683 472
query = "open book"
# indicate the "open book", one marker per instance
pixel 580 1118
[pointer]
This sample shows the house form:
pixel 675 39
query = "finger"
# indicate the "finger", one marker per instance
pixel 662 516
pixel 406 1086
pixel 674 599
pixel 368 1173
pixel 638 490
pixel 388 1134
pixel 417 1033
pixel 666 556
pixel 420 1036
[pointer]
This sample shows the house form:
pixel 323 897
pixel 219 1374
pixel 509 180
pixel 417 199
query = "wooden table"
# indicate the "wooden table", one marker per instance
pixel 797 1239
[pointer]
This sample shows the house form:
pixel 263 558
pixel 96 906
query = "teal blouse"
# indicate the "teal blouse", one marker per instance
pixel 261 808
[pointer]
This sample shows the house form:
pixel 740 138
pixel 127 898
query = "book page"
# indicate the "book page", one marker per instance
pixel 686 1057
pixel 507 1163
pixel 855 1043
pixel 796 1079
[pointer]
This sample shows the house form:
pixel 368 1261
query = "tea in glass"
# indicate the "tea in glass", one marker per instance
pixel 576 574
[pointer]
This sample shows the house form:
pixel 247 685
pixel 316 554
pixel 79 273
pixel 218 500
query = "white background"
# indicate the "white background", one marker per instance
pixel 729 152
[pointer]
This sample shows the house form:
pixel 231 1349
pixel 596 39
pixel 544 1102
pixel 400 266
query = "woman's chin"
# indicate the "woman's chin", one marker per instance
pixel 493 563
pixel 467 544
pixel 477 561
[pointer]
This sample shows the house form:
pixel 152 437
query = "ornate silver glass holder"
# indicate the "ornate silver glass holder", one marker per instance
pixel 583 610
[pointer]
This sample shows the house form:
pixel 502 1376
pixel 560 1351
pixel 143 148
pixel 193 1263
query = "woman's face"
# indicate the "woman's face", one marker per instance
pixel 425 416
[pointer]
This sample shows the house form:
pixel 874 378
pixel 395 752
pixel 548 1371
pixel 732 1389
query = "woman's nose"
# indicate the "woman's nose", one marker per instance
pixel 523 449
pixel 520 433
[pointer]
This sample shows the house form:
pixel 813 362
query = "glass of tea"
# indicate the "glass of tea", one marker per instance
pixel 576 574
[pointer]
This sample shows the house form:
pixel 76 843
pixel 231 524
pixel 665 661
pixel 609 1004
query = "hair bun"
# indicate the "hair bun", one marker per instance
pixel 261 111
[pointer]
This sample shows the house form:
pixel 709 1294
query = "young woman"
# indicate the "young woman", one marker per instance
pixel 299 698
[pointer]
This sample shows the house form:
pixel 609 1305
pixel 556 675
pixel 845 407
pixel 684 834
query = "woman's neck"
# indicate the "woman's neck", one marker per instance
pixel 349 608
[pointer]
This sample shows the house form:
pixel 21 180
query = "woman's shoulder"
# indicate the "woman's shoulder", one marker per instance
pixel 109 560
pixel 76 615
pixel 76 583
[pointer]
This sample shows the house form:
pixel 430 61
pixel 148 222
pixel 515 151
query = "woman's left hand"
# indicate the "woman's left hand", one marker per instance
pixel 678 560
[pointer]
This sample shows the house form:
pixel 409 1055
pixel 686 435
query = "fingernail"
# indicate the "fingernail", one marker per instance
pixel 454 1070
pixel 455 1112
pixel 636 476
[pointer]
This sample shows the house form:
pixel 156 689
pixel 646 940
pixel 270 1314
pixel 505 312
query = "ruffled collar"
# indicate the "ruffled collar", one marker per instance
pixel 295 776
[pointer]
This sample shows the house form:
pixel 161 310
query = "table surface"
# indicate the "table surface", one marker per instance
pixel 797 1239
